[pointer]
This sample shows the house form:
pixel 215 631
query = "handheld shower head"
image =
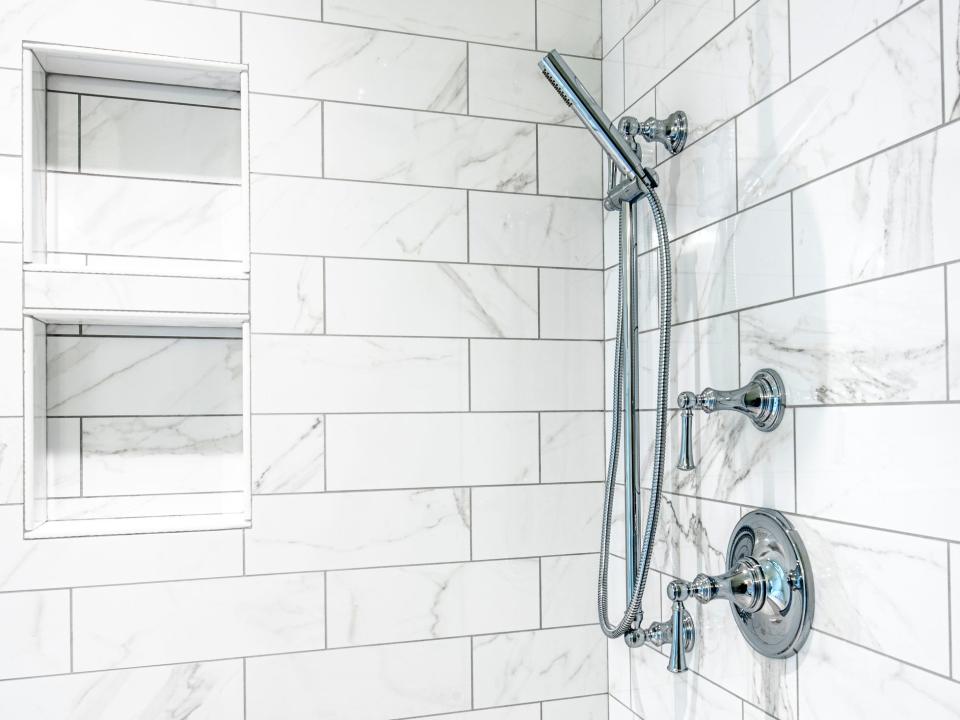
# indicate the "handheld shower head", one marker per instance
pixel 574 94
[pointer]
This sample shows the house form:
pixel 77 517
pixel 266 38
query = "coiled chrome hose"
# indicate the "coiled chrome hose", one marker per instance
pixel 633 617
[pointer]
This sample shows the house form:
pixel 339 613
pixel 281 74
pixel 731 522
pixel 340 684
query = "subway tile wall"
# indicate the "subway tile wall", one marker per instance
pixel 814 231
pixel 427 371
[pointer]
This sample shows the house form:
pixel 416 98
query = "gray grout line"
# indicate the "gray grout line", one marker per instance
pixel 793 250
pixel 951 642
pixel 796 502
pixel 244 681
pixel 72 624
pixel 789 45
pixel 946 322
pixel 943 70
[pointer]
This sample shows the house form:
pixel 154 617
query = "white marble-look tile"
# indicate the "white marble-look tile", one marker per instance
pixel 857 344
pixel 571 304
pixel 524 521
pixel 568 590
pixel 11 373
pixel 498 22
pixel 206 691
pixel 737 68
pixel 812 40
pixel 429 149
pixel 951 59
pixel 954 565
pixel 898 213
pixel 654 47
pixel 311 374
pixel 878 92
pixel 10 115
pixel 570 26
pixel 619 18
pixel 286 294
pixel 368 683
pixel 659 694
pixel 852 464
pixel 572 447
pixel 36 634
pixel 328 217
pixel 843 680
pixel 749 711
pixel 354 64
pixel 286 135
pixel 612 72
pixel 543 664
pixel 142 376
pixel 693 534
pixel 586 708
pixel 432 601
pixel 508 83
pixel 11 212
pixel 11 461
pixel 288 453
pixel 854 602
pixel 570 162
pixel 63 132
pixel 306 9
pixel 354 530
pixel 142 217
pixel 536 375
pixel 512 712
pixel 534 230
pixel 953 330
pixel 383 297
pixel 616 710
pixel 159 139
pixel 160 623
pixel 11 286
pixel 431 450
pixel 72 562
pixel 618 673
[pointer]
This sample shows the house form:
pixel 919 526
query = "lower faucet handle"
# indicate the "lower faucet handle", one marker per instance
pixel 683 633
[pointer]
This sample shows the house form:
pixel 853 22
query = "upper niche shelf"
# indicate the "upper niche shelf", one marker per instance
pixel 134 164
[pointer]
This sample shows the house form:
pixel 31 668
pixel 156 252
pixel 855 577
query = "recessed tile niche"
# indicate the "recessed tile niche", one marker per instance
pixel 136 297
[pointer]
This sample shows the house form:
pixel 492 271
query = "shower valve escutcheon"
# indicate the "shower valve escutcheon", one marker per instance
pixel 762 400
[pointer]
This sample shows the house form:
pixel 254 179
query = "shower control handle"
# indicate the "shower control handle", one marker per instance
pixel 682 632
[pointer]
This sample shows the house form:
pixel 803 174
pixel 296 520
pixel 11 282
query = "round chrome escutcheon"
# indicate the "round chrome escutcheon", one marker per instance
pixel 768 535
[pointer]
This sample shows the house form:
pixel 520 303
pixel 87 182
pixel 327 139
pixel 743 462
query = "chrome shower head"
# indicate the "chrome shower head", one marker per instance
pixel 574 94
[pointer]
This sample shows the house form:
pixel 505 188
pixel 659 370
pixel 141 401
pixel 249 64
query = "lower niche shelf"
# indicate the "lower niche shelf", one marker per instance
pixel 135 424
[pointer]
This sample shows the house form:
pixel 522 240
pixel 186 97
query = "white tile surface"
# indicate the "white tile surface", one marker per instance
pixel 288 453
pixel 571 447
pixel 953 330
pixel 64 457
pixel 658 693
pixel 513 712
pixel 380 297
pixel 11 372
pixel 170 622
pixel 286 135
pixel 612 72
pixel 63 131
pixel 432 601
pixel 857 344
pixel 10 116
pixel 11 460
pixel 543 374
pixel 693 535
pixel 286 294
pixel 36 632
pixel 951 59
pixel 431 450
pixel 571 304
pixel 354 530
pixel 429 149
pixel 570 26
pixel 568 590
pixel 882 90
pixel 310 374
pixel 410 679
pixel 587 708
pixel 11 282
pixel 10 214
pixel 954 561
pixel 570 162
pixel 328 217
pixel 619 17
pixel 308 9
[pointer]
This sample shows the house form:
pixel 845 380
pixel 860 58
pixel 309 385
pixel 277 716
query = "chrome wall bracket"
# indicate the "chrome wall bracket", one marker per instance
pixel 671 132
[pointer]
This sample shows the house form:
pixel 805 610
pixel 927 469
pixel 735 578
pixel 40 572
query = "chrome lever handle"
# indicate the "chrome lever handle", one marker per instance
pixel 687 402
pixel 682 632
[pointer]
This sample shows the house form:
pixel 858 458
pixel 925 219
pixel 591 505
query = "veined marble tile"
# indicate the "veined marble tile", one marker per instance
pixel 205 691
pixel 429 149
pixel 612 72
pixel 162 140
pixel 618 672
pixel 286 135
pixel 619 18
pixel 616 710
pixel 144 455
pixel 11 181
pixel 128 509
pixel 286 294
pixel 427 450
pixel 142 217
pixel 586 708
pixel 851 463
pixel 843 680
pixel 534 230
pixel 570 162
pixel 737 68
pixel 73 562
pixel 513 712
pixel 693 534
pixel 953 329
pixel 876 93
pixel 812 40
pixel 142 376
pixel 63 131
pixel 536 375
pixel 571 26
pixel 543 664
pixel 857 344
pixel 330 531
pixel 499 22
pixel 855 603
pixel 955 607
pixel 654 47
pixel 202 619
pixel 11 373
pixel 368 683
pixel 307 9
pixel 311 374
pixel 288 453
pixel 572 447
pixel 524 521
pixel 508 83
pixel 568 590
pixel 354 64
pixel 432 601
pixel 571 304
pixel 951 59
pixel 11 461
pixel 10 138
pixel 329 217
pixel 11 286
pixel 383 297
pixel 36 634
pixel 899 214
pixel 749 711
